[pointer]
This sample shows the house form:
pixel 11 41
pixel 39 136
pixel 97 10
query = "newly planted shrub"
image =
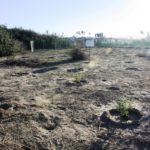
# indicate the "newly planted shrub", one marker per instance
pixel 123 106
pixel 78 77
pixel 77 54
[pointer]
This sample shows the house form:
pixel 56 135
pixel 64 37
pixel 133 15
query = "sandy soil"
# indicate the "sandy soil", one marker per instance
pixel 43 108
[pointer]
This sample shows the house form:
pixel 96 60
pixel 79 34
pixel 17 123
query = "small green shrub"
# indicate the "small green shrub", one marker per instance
pixel 77 54
pixel 123 105
pixel 78 77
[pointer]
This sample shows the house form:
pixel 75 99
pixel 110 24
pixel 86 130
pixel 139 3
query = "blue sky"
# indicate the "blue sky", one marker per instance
pixel 119 18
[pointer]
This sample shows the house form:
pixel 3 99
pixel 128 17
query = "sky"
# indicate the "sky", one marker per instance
pixel 114 18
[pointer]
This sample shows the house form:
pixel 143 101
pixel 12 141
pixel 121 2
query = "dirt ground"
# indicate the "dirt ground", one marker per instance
pixel 43 108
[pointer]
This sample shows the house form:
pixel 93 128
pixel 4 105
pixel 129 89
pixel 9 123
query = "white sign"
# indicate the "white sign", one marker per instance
pixel 89 43
pixel 32 46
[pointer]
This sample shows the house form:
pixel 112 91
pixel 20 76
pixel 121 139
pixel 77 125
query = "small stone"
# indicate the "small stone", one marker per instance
pixel 5 106
pixel 147 97
pixel 129 62
pixel 74 69
pixel 144 93
pixel 114 88
pixel 42 117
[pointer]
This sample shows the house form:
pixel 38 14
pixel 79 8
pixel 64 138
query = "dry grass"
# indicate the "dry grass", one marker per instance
pixel 108 51
pixel 49 114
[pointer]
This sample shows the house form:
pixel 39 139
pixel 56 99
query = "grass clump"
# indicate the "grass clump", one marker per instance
pixel 76 54
pixel 78 77
pixel 123 105
pixel 19 70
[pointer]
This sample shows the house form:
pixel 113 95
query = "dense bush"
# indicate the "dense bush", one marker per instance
pixel 41 41
pixel 24 36
pixel 77 54
pixel 8 46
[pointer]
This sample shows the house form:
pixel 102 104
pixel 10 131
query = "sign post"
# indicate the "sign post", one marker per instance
pixel 32 46
pixel 90 44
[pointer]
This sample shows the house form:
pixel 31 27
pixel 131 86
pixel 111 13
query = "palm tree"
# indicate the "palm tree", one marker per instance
pixel 78 33
pixel 82 32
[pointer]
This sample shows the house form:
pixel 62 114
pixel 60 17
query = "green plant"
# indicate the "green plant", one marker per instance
pixel 78 77
pixel 123 105
pixel 77 54
pixel 8 46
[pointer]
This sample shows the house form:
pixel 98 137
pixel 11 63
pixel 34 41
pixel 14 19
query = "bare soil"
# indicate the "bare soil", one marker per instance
pixel 43 108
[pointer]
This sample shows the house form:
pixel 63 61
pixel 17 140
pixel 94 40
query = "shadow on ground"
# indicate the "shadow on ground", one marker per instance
pixel 33 63
pixel 45 69
pixel 105 141
pixel 39 66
